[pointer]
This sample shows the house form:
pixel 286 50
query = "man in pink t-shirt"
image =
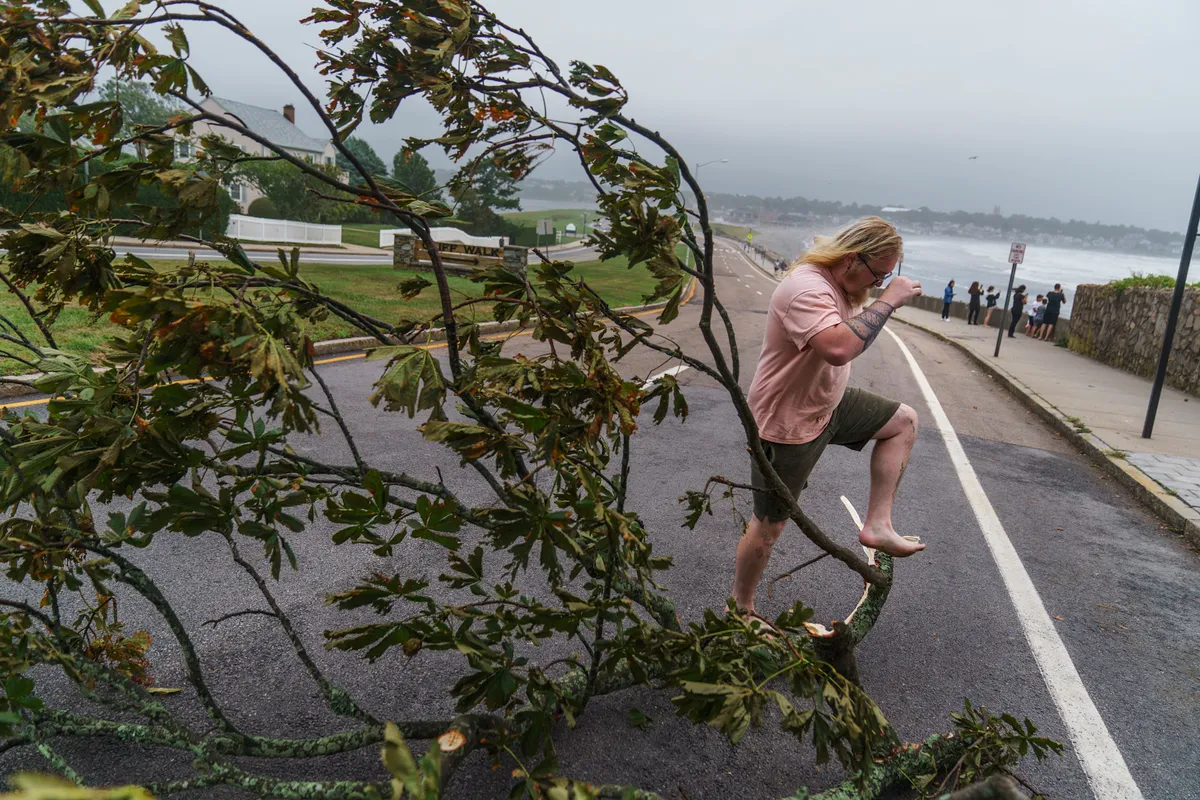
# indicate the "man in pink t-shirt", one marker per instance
pixel 815 327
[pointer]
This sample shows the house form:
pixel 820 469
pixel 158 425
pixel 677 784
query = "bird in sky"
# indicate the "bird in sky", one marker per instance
pixel 972 158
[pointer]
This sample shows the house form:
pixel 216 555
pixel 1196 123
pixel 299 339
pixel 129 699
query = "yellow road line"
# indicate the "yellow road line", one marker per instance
pixel 25 403
pixel 433 346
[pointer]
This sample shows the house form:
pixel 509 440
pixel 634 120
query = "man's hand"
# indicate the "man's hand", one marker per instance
pixel 901 291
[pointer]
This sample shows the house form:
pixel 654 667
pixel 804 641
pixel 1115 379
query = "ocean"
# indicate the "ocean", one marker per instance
pixel 936 260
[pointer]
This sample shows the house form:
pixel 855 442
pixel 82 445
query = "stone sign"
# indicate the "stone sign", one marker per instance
pixel 410 253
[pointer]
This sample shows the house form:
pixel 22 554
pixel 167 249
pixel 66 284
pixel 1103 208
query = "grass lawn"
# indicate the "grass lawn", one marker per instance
pixel 559 216
pixel 370 289
pixel 367 234
pixel 736 231
pixel 364 233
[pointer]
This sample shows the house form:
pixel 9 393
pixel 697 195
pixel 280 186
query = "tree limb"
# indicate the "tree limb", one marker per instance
pixel 33 314
pixel 339 700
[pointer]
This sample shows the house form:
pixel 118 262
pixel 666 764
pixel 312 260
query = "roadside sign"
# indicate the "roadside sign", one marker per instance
pixel 750 236
pixel 1016 255
pixel 545 227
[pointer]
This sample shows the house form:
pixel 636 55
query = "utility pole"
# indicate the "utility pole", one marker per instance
pixel 687 251
pixel 1164 357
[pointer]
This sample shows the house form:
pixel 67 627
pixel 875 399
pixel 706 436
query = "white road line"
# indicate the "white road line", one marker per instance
pixel 757 292
pixel 672 371
pixel 755 269
pixel 1106 771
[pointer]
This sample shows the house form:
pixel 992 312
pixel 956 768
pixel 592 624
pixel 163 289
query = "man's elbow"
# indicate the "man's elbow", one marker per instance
pixel 837 356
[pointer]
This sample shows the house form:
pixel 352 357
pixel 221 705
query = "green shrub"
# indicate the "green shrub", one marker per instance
pixel 147 195
pixel 263 207
pixel 1139 281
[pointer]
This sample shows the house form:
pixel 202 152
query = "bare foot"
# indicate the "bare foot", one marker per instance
pixel 765 629
pixel 888 541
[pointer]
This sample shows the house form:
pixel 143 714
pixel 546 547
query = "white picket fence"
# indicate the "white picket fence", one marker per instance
pixel 259 229
pixel 387 238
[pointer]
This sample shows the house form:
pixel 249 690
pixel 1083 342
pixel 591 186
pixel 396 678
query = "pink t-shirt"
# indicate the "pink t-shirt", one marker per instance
pixel 795 391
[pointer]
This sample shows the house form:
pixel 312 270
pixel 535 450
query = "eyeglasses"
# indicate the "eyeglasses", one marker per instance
pixel 878 278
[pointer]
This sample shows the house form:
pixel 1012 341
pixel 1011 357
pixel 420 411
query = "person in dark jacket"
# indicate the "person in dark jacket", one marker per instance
pixel 1017 307
pixel 1054 302
pixel 973 303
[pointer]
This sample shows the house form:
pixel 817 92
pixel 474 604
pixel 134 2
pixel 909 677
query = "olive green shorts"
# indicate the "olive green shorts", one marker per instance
pixel 857 418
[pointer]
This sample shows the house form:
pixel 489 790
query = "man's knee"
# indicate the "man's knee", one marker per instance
pixel 903 425
pixel 766 530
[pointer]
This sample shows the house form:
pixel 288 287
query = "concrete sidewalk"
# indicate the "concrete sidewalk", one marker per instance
pixel 1100 407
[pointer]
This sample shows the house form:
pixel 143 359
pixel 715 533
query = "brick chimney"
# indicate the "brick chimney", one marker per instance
pixel 289 113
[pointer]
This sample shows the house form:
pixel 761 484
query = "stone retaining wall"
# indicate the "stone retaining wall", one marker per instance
pixel 1125 329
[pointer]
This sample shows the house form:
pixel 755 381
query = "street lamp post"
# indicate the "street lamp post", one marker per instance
pixel 687 251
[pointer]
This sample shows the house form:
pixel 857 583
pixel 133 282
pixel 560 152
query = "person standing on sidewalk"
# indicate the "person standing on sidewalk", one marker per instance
pixel 815 327
pixel 973 303
pixel 1018 305
pixel 947 299
pixel 992 297
pixel 1054 302
pixel 1035 317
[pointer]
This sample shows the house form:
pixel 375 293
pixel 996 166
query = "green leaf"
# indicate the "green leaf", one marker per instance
pixel 397 758
pixel 129 10
pixel 638 719
pixel 177 38
pixel 412 382
pixel 448 542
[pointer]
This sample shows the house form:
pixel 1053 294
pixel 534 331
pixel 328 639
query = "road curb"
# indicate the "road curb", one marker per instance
pixel 1179 516
pixel 21 385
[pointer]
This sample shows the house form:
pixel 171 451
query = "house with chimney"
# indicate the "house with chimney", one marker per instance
pixel 275 126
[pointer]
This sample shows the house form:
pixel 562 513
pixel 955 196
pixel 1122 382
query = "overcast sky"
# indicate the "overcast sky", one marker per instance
pixel 1075 108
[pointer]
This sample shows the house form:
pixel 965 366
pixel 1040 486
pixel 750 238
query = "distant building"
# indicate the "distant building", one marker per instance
pixel 277 127
pixel 894 209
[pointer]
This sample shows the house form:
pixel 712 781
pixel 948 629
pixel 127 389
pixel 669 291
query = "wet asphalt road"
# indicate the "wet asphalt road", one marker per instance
pixel 1122 591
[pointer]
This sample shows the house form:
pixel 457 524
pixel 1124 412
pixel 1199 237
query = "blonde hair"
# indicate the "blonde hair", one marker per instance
pixel 873 237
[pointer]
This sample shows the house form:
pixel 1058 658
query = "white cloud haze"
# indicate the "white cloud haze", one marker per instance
pixel 1076 109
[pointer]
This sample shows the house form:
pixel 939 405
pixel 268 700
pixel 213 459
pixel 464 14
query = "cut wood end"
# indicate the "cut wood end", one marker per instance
pixel 817 629
pixel 451 741
pixel 853 513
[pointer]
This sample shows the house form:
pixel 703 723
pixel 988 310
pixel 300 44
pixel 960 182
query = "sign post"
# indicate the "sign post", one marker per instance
pixel 1016 255
pixel 1164 357
pixel 545 227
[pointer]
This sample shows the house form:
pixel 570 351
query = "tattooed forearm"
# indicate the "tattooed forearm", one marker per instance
pixel 870 322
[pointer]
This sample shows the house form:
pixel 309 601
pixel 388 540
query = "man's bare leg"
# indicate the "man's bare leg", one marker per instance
pixel 889 458
pixel 753 552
